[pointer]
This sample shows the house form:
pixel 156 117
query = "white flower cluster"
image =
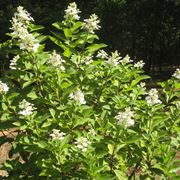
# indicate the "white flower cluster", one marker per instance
pixel 20 31
pixel 13 62
pixel 102 54
pixel 126 60
pixel 79 60
pixel 125 118
pixel 177 74
pixel 142 86
pixel 57 135
pixel 22 15
pixel 3 173
pixel 153 98
pixel 72 12
pixel 82 143
pixel 3 87
pixel 114 58
pixel 139 64
pixel 78 96
pixel 91 24
pixel 27 108
pixel 87 59
pixel 56 60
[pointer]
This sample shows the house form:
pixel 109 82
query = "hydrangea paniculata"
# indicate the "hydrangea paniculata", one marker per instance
pixel 57 135
pixel 72 12
pixel 102 54
pixel 19 27
pixel 26 108
pixel 152 97
pixel 113 60
pixel 78 96
pixel 91 24
pixel 56 60
pixel 177 74
pixel 139 64
pixel 23 15
pixel 82 143
pixel 13 62
pixel 126 60
pixel 125 118
pixel 3 88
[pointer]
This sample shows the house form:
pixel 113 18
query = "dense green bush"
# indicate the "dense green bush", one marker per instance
pixel 82 113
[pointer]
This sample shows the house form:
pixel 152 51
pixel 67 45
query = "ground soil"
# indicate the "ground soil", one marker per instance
pixel 5 148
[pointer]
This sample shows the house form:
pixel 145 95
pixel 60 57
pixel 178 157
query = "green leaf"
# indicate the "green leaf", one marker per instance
pixel 26 140
pixel 65 85
pixel 18 124
pixel 57 42
pixel 67 53
pixel 120 175
pixel 34 27
pixel 80 41
pixel 111 148
pixel 6 125
pixel 46 124
pixel 32 95
pixel 133 139
pixel 58 25
pixel 67 33
pixel 42 38
pixel 4 106
pixel 157 120
pixel 76 26
pixel 81 121
pixel 28 83
pixel 42 144
pixel 59 35
pixel 53 112
pixel 138 79
pixel 95 47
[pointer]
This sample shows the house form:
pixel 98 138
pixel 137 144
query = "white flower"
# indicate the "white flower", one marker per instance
pixel 3 87
pixel 27 108
pixel 126 60
pixel 142 86
pixel 29 43
pixel 114 58
pixel 72 12
pixel 56 60
pixel 92 132
pixel 57 135
pixel 82 143
pixel 78 96
pixel 177 74
pixel 125 118
pixel 139 64
pixel 87 59
pixel 3 173
pixel 91 24
pixel 23 15
pixel 153 98
pixel 20 31
pixel 13 62
pixel 102 54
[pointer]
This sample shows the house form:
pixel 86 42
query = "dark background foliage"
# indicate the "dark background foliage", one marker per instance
pixel 144 29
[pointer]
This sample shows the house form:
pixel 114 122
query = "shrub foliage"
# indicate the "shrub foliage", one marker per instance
pixel 82 113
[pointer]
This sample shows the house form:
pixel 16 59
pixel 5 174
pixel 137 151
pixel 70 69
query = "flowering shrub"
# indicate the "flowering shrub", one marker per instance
pixel 82 113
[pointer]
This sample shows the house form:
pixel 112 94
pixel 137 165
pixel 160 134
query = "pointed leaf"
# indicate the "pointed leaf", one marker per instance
pixel 95 47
